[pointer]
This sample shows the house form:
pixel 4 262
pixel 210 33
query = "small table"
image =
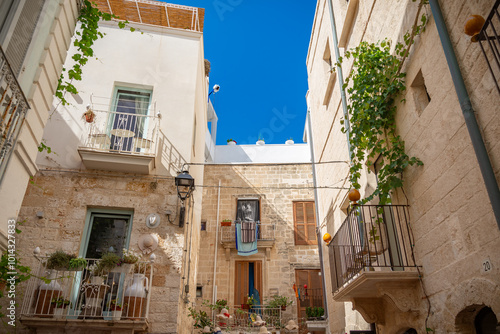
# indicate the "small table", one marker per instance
pixel 124 133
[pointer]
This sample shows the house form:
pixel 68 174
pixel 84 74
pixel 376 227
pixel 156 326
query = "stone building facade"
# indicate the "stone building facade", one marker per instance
pixel 454 233
pixel 65 199
pixel 116 173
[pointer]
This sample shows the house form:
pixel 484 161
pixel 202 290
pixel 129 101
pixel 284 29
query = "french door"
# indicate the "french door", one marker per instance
pixel 247 282
pixel 310 291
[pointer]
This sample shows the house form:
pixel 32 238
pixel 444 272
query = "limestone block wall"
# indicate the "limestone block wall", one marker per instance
pixel 275 185
pixel 451 217
pixel 65 197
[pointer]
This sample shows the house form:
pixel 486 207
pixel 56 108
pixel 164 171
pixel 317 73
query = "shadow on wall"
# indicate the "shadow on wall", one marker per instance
pixel 170 159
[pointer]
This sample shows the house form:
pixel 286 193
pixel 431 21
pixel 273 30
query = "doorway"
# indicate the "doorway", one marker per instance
pixel 310 294
pixel 247 282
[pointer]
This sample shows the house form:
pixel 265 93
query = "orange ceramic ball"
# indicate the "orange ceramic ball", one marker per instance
pixel 327 237
pixel 354 195
pixel 473 25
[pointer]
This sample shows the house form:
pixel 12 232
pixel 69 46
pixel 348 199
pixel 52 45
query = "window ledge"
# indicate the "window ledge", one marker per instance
pixel 348 22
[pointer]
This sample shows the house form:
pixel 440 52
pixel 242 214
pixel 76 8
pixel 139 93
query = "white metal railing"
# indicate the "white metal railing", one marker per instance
pixel 265 232
pixel 131 131
pixel 120 294
pixel 13 109
pixel 246 319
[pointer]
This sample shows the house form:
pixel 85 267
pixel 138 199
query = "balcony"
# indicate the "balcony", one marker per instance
pixel 245 320
pixel 13 109
pixel 489 41
pixel 371 256
pixel 124 141
pixel 115 301
pixel 265 236
pixel 156 13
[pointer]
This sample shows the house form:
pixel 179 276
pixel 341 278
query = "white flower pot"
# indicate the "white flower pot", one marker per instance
pixel 97 280
pixel 59 313
pixel 289 142
pixel 117 315
pixel 123 269
pixel 260 142
pixel 231 143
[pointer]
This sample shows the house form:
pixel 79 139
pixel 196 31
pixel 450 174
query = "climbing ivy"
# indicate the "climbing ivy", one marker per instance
pixel 84 40
pixel 374 84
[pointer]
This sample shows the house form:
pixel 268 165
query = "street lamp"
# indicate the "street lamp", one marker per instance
pixel 185 186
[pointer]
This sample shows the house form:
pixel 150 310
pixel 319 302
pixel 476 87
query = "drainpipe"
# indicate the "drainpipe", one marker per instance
pixel 340 78
pixel 470 118
pixel 214 292
pixel 318 231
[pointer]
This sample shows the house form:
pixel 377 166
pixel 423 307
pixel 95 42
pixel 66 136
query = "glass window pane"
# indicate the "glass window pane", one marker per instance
pixel 106 232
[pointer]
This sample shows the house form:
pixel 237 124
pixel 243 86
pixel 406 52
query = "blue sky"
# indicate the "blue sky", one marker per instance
pixel 257 50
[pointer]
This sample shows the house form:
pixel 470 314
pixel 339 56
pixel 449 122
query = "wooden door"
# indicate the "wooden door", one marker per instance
pixel 242 280
pixel 312 296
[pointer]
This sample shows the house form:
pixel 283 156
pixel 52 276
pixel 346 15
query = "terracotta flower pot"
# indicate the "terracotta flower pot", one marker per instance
pixel 89 118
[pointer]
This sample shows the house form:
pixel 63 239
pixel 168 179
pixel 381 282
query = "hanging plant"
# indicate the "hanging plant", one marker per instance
pixel 84 40
pixel 374 84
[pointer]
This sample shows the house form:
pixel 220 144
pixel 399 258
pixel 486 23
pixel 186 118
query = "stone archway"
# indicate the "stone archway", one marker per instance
pixel 477 291
pixel 468 298
pixel 464 321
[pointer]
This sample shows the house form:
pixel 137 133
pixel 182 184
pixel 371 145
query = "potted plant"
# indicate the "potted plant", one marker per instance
pixel 128 259
pixel 231 141
pixel 109 261
pixel 260 141
pixel 278 301
pixel 225 222
pixel 250 301
pixel 59 304
pixel 220 304
pixel 96 272
pixel 201 318
pixel 116 309
pixel 289 141
pixel 77 264
pixel 314 313
pixel 89 115
pixel 62 261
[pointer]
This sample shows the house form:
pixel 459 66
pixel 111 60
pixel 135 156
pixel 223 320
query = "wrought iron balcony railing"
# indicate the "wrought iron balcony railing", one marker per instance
pixel 265 232
pixel 13 109
pixel 245 319
pixel 489 35
pixel 131 131
pixel 372 237
pixel 121 294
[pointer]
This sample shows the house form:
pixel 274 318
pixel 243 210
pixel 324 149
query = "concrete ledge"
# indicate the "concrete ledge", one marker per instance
pixel 118 162
pixel 49 325
pixel 367 284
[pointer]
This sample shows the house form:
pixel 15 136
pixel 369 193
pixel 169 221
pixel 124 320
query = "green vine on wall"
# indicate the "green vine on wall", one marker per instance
pixel 374 84
pixel 84 40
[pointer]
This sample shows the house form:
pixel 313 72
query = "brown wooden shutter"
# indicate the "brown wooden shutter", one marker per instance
pixel 305 223
pixel 240 282
pixel 257 278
